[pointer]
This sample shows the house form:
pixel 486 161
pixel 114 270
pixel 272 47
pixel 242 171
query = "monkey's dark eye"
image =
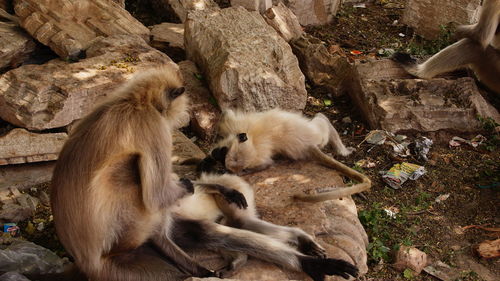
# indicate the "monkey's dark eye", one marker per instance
pixel 173 93
pixel 242 137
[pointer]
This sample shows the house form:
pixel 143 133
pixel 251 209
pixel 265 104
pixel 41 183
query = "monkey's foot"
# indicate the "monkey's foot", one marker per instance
pixel 346 151
pixel 317 268
pixel 307 246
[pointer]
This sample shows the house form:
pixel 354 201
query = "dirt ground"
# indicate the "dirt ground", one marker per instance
pixel 467 174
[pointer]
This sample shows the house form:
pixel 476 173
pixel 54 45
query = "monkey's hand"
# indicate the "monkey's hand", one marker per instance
pixel 187 184
pixel 234 196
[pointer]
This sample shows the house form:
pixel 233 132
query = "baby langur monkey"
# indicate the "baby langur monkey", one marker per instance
pixel 113 185
pixel 479 49
pixel 251 140
pixel 242 233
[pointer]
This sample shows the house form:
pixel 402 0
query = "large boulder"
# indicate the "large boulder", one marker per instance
pixel 390 101
pixel 312 12
pixel 427 16
pixel 20 146
pixel 70 27
pixel 334 223
pixel 247 64
pixel 54 94
pixel 15 45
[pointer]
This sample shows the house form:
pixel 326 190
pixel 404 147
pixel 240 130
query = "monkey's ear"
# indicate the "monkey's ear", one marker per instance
pixel 242 137
pixel 173 93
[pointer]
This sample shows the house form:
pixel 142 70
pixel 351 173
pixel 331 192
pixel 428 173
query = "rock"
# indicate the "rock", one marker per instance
pixel 20 146
pixel 391 102
pixel 204 114
pixel 312 12
pixel 334 223
pixel 320 66
pixel 489 249
pixel 167 35
pixel 253 5
pixel 247 64
pixel 70 27
pixel 25 175
pixel 13 276
pixel 412 258
pixel 20 207
pixel 184 149
pixel 284 21
pixel 15 45
pixel 28 258
pixel 169 38
pixel 183 7
pixel 426 17
pixel 54 94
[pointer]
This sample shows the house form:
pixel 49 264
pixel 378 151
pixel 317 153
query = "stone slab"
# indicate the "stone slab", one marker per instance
pixel 54 94
pixel 69 27
pixel 20 146
pixel 247 64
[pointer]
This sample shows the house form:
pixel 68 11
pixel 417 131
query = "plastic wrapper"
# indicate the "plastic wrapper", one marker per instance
pixel 400 173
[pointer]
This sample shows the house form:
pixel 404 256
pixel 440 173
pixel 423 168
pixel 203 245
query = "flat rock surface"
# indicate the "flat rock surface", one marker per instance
pixel 390 101
pixel 25 175
pixel 427 17
pixel 69 27
pixel 247 64
pixel 334 223
pixel 20 146
pixel 15 45
pixel 54 94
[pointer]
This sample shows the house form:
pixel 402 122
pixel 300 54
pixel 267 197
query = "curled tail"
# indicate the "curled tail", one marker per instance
pixel 364 182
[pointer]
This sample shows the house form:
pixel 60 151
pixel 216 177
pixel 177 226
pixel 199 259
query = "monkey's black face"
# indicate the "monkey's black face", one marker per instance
pixel 215 162
pixel 242 137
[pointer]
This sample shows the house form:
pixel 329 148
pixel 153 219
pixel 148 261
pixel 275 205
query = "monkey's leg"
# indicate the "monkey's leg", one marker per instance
pixel 334 137
pixel 170 249
pixel 483 32
pixel 458 55
pixel 212 236
pixel 247 219
pixel 141 264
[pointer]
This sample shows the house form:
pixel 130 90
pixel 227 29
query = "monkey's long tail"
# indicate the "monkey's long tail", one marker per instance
pixel 364 182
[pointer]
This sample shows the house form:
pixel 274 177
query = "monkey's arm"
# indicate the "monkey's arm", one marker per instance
pixel 322 158
pixel 484 31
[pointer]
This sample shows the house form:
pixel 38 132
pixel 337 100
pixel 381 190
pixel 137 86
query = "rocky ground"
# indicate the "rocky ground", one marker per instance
pixel 446 213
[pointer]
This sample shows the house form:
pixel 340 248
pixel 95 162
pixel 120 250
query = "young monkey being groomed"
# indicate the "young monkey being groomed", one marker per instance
pixel 251 140
pixel 241 232
pixel 479 50
pixel 113 185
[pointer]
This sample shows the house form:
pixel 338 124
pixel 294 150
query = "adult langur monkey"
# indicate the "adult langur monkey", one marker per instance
pixel 113 184
pixel 479 49
pixel 252 139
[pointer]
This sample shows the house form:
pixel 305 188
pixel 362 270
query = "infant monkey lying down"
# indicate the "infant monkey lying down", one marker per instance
pixel 198 224
pixel 251 140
